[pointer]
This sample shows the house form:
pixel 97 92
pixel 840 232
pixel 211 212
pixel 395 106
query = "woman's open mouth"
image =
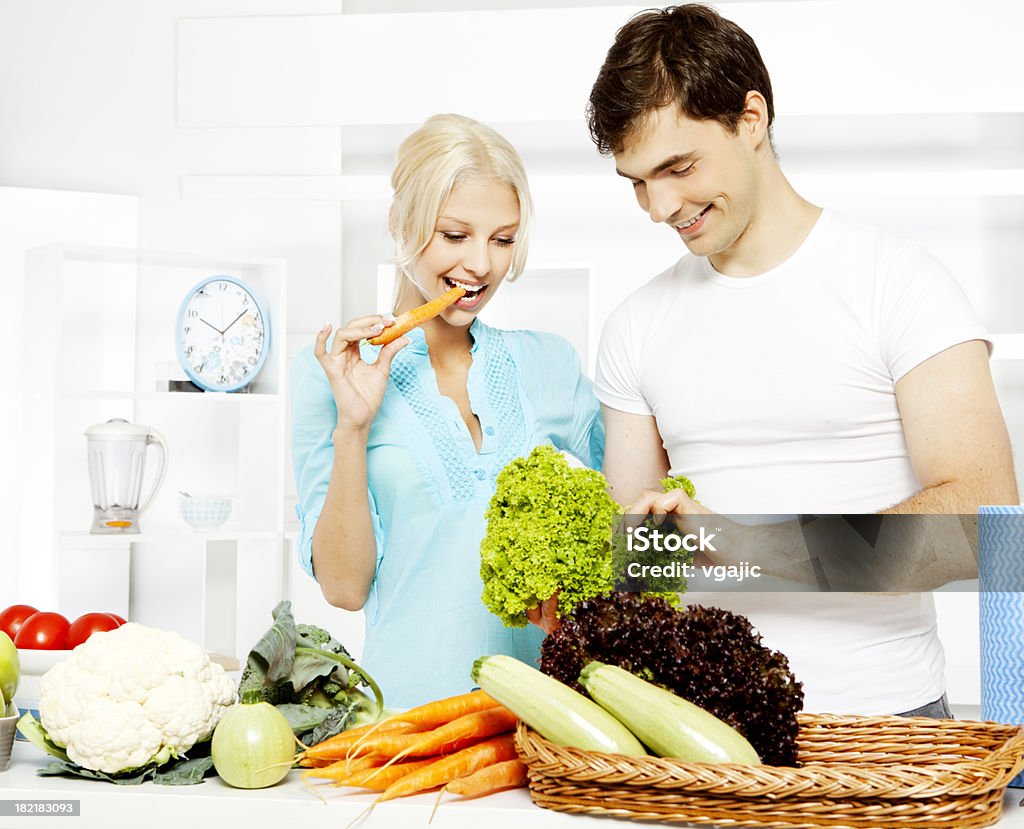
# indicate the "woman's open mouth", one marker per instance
pixel 474 293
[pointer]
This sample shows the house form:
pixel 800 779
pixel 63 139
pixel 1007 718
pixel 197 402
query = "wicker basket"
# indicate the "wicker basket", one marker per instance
pixel 857 772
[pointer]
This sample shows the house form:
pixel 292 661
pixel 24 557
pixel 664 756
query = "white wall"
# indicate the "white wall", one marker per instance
pixel 266 128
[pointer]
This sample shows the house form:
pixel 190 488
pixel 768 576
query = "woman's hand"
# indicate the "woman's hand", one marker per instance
pixel 545 615
pixel 358 386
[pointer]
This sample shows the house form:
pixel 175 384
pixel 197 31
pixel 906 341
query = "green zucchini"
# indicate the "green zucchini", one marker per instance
pixel 553 710
pixel 667 724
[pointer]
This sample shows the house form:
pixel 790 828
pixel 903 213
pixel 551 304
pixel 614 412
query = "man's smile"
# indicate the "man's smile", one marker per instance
pixel 693 224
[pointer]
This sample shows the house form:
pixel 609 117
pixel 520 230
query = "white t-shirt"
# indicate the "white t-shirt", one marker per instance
pixel 775 394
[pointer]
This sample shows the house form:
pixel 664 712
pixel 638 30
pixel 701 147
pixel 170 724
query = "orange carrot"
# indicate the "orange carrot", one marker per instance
pixel 509 774
pixel 460 764
pixel 377 780
pixel 417 316
pixel 334 748
pixel 344 767
pixel 461 732
pixel 441 711
pixel 451 736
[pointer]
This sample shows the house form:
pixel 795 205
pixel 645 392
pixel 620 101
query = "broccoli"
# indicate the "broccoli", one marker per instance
pixel 276 693
pixel 310 677
pixel 317 637
pixel 707 655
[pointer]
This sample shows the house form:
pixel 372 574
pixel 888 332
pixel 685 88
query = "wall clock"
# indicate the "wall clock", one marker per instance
pixel 222 334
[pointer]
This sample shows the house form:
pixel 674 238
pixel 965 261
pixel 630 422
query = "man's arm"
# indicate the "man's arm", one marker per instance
pixel 960 451
pixel 956 435
pixel 634 455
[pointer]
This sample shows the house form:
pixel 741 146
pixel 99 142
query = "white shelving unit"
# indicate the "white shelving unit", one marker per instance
pixel 100 339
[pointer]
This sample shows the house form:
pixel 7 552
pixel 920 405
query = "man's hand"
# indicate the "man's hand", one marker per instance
pixel 673 502
pixel 545 615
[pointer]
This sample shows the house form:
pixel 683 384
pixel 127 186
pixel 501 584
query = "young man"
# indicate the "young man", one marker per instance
pixel 796 362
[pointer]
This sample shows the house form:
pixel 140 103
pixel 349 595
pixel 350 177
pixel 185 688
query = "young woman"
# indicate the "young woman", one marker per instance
pixel 396 449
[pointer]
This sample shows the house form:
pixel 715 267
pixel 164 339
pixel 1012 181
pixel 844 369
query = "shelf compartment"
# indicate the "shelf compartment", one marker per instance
pixel 108 335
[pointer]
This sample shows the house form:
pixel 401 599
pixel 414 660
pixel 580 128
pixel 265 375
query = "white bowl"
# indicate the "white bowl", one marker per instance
pixel 205 512
pixel 7 729
pixel 34 663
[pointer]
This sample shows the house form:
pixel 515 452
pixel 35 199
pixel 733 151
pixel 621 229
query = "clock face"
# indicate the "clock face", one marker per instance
pixel 222 334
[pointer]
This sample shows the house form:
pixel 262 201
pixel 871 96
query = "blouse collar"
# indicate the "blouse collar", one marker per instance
pixel 418 344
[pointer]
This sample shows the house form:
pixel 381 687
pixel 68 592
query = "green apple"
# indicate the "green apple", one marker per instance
pixel 10 671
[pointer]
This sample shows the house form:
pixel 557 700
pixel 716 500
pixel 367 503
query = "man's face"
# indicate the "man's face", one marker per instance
pixel 695 176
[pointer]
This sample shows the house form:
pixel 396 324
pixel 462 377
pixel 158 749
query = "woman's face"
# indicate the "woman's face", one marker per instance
pixel 472 245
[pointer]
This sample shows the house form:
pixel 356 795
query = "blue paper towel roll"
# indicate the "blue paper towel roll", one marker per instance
pixel 1001 615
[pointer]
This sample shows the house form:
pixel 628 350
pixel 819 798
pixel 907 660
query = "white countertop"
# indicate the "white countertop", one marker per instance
pixel 289 804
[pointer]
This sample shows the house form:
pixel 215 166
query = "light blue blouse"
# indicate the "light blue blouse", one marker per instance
pixel 429 488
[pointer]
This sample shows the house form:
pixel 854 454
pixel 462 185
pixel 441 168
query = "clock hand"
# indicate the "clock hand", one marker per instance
pixel 213 327
pixel 236 319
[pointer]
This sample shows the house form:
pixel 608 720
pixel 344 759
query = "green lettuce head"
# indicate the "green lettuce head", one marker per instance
pixel 548 528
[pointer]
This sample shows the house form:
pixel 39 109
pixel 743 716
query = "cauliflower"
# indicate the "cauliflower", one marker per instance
pixel 131 697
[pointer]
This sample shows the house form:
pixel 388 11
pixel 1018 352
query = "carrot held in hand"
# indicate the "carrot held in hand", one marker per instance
pixel 417 316
pixel 460 764
pixel 509 774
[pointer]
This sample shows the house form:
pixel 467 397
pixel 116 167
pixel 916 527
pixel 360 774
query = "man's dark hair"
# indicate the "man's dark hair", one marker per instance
pixel 689 55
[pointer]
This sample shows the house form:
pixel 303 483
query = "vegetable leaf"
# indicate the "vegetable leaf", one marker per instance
pixel 679 482
pixel 317 694
pixel 303 718
pixel 33 731
pixel 67 768
pixel 274 654
pixel 184 773
pixel 707 655
pixel 550 528
pixel 336 721
pixel 310 666
pixel 181 771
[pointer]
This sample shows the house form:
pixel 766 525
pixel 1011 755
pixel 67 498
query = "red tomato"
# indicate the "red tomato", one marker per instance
pixel 120 619
pixel 43 631
pixel 87 624
pixel 13 617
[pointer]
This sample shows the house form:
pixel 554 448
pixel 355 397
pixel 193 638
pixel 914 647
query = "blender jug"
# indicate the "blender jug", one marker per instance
pixel 117 459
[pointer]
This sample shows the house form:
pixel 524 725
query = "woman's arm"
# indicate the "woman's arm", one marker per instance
pixel 344 547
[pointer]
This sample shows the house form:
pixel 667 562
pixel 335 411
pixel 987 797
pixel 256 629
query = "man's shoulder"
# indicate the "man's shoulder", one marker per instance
pixel 657 290
pixel 850 234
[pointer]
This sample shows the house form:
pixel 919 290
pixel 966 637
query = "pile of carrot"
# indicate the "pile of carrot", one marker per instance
pixel 464 744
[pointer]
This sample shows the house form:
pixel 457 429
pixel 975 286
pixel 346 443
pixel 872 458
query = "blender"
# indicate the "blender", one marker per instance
pixel 117 460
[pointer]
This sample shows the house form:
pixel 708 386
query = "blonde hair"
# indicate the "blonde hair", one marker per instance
pixel 445 151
